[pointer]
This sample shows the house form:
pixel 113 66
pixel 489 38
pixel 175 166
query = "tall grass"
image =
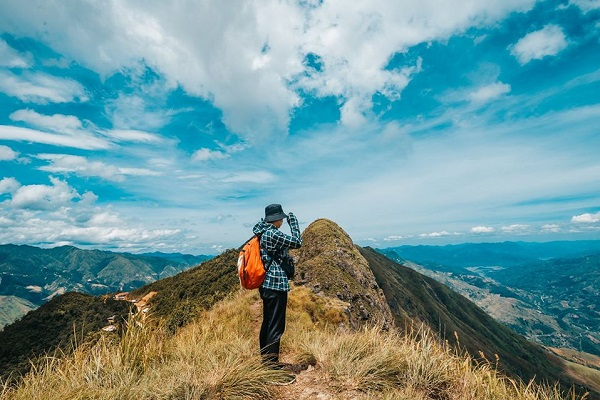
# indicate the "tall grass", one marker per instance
pixel 216 358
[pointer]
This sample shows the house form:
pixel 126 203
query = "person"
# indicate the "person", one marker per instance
pixel 274 244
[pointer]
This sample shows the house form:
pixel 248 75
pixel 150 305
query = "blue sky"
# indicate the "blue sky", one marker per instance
pixel 168 126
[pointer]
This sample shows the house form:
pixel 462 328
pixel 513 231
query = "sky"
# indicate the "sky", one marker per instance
pixel 145 125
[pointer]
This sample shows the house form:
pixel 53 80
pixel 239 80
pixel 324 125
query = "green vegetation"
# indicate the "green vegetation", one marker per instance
pixel 56 326
pixel 415 297
pixel 215 357
pixel 36 275
pixel 182 297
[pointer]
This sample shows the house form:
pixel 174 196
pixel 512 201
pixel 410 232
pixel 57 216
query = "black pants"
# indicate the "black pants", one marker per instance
pixel 273 324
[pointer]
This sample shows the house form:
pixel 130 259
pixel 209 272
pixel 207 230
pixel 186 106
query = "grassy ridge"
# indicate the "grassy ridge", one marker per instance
pixel 215 357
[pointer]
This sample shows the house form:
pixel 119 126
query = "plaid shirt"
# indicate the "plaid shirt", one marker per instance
pixel 275 242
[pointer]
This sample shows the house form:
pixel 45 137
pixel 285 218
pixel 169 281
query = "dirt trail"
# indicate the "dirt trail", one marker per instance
pixel 310 384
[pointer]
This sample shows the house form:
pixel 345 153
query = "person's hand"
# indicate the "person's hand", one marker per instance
pixel 290 215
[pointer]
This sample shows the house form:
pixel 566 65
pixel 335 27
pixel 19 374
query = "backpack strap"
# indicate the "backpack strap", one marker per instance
pixel 266 251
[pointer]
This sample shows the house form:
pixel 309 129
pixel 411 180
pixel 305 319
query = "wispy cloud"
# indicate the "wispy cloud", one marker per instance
pixel 81 166
pixel 41 88
pixel 84 140
pixel 11 58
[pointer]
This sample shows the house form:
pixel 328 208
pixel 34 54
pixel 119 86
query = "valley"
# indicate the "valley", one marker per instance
pixel 549 293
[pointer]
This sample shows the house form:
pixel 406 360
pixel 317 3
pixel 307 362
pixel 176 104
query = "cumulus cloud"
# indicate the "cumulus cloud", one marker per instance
pixel 9 185
pixel 40 88
pixel 587 218
pixel 255 78
pixel 11 58
pixel 482 229
pixel 548 41
pixel 57 213
pixel 44 197
pixel 7 154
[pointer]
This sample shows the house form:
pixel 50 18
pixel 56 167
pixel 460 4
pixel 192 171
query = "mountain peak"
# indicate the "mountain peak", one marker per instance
pixel 329 263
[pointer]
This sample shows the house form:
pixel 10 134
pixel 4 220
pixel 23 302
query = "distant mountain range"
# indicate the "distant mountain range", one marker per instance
pixel 30 276
pixel 549 292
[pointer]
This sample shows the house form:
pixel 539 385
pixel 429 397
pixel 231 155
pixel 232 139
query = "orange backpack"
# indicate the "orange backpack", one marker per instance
pixel 251 269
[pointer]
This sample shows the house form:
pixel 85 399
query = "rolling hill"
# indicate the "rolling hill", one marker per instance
pixel 30 276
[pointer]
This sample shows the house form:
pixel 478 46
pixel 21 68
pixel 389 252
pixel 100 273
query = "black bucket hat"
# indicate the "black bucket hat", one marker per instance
pixel 274 212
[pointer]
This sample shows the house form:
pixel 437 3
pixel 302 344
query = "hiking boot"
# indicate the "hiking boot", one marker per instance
pixel 294 368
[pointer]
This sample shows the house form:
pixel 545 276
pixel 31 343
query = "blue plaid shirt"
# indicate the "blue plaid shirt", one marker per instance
pixel 275 242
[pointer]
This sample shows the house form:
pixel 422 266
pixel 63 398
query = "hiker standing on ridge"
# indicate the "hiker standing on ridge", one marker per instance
pixel 274 246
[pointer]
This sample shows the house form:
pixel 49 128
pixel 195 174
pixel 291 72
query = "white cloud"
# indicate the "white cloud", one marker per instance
pixel 586 5
pixel 586 218
pixel 260 177
pixel 81 166
pixel 55 123
pixel 489 92
pixel 69 131
pixel 482 229
pixel 254 77
pixel 11 58
pixel 130 135
pixel 65 163
pixel 439 234
pixel 551 228
pixel 515 228
pixel 548 41
pixel 44 197
pixel 205 154
pixel 393 238
pixel 9 185
pixel 83 140
pixel 7 154
pixel 40 88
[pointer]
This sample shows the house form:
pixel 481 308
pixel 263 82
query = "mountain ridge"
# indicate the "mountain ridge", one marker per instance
pixel 360 282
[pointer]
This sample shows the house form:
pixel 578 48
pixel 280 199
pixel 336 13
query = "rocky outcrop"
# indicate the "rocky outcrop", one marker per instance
pixel 330 264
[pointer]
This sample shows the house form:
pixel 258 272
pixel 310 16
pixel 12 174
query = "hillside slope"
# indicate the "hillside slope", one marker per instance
pixel 415 297
pixel 58 324
pixel 551 301
pixel 36 275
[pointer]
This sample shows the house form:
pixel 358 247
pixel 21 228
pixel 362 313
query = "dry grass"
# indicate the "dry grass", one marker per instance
pixel 216 358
